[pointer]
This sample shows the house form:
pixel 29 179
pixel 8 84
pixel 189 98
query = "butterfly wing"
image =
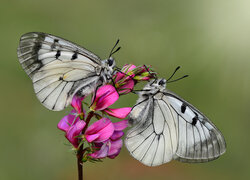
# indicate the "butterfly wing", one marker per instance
pixel 58 68
pixel 199 140
pixel 153 140
pixel 170 128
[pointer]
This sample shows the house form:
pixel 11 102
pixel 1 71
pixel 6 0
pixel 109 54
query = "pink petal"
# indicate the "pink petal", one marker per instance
pixel 125 70
pixel 120 113
pixel 66 121
pixel 75 131
pixel 91 138
pixel 119 126
pixel 102 153
pixel 76 103
pixel 128 67
pixel 132 66
pixel 103 129
pixel 116 135
pixel 97 126
pixel 105 133
pixel 115 148
pixel 105 96
pixel 118 76
pixel 128 87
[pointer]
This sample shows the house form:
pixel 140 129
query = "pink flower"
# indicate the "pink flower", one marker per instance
pixel 99 131
pixel 72 126
pixel 112 146
pixel 105 97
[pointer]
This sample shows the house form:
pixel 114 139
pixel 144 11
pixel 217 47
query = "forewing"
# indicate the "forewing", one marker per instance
pixel 198 138
pixel 58 68
pixel 153 140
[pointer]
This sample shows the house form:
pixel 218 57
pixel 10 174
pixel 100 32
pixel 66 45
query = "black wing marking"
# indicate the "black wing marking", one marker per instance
pixel 39 49
pixel 198 138
pixel 58 68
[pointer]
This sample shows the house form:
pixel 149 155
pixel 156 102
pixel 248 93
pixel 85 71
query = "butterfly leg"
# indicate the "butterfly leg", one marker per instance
pixel 151 73
pixel 94 95
pixel 113 82
pixel 135 91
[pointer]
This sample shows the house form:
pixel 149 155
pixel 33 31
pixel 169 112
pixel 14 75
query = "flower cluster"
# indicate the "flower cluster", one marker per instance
pixel 126 79
pixel 102 138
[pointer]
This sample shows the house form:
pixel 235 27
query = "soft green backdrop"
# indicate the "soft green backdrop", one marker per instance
pixel 210 39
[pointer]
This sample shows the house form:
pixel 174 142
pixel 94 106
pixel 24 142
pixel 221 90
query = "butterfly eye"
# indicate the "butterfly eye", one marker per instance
pixel 162 82
pixel 110 62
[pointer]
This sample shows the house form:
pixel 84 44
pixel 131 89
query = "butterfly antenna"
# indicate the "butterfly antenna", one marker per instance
pixel 114 51
pixel 173 73
pixel 177 79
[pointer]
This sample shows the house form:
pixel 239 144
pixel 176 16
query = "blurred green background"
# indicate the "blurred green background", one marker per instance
pixel 210 39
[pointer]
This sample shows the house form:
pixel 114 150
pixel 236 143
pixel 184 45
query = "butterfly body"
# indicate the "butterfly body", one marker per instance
pixel 166 127
pixel 60 69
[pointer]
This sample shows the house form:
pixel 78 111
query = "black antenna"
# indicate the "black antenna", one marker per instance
pixel 112 50
pixel 115 51
pixel 177 79
pixel 173 73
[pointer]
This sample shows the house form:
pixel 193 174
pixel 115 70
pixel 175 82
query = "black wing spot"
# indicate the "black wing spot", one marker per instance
pixel 74 56
pixel 60 78
pixel 183 107
pixel 58 53
pixel 56 40
pixel 37 47
pixel 195 119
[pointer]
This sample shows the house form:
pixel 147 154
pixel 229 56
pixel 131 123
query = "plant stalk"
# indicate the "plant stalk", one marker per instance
pixel 80 150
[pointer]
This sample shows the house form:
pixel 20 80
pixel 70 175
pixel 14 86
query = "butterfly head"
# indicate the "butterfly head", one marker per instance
pixel 159 83
pixel 109 63
pixel 108 66
pixel 156 85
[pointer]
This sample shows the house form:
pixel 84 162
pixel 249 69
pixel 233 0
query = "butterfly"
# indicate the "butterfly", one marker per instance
pixel 166 127
pixel 60 69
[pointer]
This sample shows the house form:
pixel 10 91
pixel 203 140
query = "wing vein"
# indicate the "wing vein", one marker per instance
pixel 52 92
pixel 148 149
pixel 167 126
pixel 59 95
pixel 142 142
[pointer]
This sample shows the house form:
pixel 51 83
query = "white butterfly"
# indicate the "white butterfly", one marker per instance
pixel 167 127
pixel 59 69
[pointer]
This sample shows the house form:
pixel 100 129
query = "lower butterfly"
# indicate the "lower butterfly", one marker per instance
pixel 166 127
pixel 59 69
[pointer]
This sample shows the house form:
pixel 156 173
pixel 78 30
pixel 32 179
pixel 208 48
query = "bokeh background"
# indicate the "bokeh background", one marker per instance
pixel 209 39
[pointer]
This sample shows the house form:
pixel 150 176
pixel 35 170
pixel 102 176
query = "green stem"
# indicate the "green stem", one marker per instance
pixel 80 150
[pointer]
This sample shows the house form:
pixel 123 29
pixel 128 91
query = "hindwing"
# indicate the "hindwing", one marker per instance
pixel 199 140
pixel 167 127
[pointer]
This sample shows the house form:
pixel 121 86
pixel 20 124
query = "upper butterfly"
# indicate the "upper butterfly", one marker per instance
pixel 59 69
pixel 167 127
